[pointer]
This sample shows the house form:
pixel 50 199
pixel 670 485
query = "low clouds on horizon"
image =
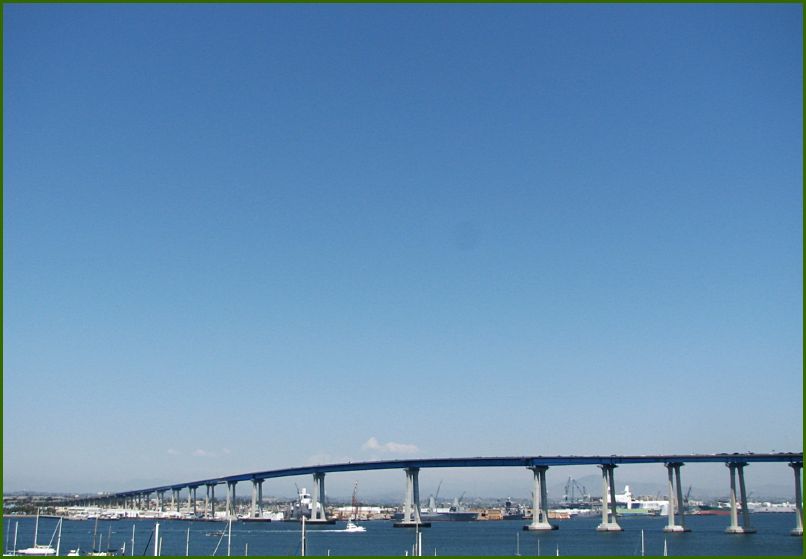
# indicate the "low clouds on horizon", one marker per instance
pixel 390 447
pixel 200 452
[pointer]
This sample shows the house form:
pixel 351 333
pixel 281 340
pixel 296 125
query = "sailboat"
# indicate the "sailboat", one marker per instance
pixel 100 552
pixel 12 551
pixel 41 549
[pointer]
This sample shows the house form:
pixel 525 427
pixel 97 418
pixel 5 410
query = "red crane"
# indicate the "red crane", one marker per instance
pixel 355 502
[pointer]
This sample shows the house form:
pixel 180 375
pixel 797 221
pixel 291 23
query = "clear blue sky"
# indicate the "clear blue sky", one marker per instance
pixel 256 236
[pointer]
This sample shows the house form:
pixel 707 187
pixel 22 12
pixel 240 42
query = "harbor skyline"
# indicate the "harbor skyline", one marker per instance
pixel 241 238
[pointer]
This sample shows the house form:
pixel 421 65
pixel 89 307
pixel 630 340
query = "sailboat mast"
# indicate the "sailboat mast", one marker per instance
pixel 302 545
pixel 59 538
pixel 94 534
pixel 36 527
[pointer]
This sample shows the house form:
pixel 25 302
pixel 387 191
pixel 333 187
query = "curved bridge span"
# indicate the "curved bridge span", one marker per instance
pixel 481 462
pixel 736 462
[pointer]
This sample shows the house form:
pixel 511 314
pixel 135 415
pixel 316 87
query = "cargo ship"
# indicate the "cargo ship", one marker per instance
pixel 455 513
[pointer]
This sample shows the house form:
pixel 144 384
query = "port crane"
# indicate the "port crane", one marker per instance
pixel 457 502
pixel 436 495
pixel 432 500
pixel 355 501
pixel 572 486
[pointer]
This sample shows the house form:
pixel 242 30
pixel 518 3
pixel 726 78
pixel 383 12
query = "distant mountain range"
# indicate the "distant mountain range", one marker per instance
pixel 593 484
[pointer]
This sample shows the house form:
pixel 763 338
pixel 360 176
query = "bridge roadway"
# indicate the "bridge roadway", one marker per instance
pixel 479 462
pixel 538 464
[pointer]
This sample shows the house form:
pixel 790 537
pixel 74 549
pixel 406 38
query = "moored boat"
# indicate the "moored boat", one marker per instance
pixel 42 550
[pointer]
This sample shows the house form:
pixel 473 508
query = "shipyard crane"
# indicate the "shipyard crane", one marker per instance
pixel 570 486
pixel 355 501
pixel 436 495
pixel 457 502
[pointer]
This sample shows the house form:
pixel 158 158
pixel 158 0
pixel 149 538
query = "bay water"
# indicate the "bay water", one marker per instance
pixel 491 538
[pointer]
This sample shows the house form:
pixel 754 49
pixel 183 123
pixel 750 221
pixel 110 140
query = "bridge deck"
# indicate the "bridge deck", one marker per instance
pixel 478 462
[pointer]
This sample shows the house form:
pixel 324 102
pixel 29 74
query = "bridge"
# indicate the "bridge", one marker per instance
pixel 736 463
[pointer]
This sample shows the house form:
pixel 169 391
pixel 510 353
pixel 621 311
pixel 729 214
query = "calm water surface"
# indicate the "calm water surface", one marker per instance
pixel 575 537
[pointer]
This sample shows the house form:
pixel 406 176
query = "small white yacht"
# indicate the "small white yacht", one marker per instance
pixel 353 527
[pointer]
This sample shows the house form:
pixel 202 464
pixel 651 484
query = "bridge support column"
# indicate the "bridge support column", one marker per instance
pixel 676 504
pixel 160 500
pixel 231 500
pixel 193 502
pixel 260 497
pixel 609 523
pixel 318 513
pixel 734 527
pixel 540 504
pixel 253 510
pixel 175 499
pixel 798 531
pixel 211 496
pixel 190 500
pixel 257 498
pixel 411 505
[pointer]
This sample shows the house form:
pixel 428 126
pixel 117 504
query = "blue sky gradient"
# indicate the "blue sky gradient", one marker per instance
pixel 257 236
